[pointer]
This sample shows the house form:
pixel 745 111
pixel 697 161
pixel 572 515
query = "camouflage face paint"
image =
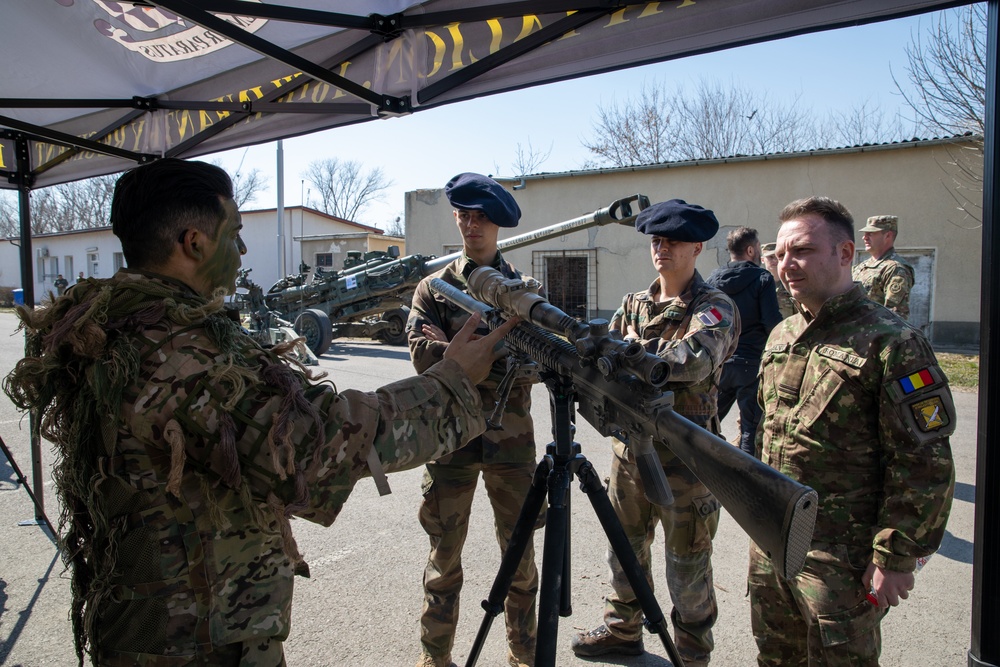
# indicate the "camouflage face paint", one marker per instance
pixel 223 253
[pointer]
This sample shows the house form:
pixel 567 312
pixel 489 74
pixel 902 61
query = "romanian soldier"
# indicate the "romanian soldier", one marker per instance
pixel 886 277
pixel 694 328
pixel 505 457
pixel 786 305
pixel 856 407
pixel 184 449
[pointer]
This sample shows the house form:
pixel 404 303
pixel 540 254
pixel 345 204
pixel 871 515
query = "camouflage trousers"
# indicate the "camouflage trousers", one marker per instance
pixel 263 652
pixel 444 514
pixel 689 526
pixel 820 617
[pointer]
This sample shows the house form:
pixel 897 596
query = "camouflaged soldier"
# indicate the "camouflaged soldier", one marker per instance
pixel 786 305
pixel 505 457
pixel 183 448
pixel 886 277
pixel 694 327
pixel 856 407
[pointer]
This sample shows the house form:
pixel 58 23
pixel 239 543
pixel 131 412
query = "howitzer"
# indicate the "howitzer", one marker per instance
pixel 618 389
pixel 371 296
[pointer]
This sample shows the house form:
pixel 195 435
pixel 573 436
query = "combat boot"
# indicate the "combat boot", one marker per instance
pixel 515 661
pixel 600 641
pixel 430 661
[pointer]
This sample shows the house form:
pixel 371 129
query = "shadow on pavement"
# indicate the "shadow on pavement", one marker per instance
pixel 24 616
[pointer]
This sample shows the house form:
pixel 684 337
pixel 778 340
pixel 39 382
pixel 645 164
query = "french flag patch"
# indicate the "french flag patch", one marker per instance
pixel 710 317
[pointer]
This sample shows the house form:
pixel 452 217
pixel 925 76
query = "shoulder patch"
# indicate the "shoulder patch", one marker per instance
pixel 930 414
pixel 710 316
pixel 918 380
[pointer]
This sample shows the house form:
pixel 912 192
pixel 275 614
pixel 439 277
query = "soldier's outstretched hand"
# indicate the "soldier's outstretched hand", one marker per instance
pixel 476 356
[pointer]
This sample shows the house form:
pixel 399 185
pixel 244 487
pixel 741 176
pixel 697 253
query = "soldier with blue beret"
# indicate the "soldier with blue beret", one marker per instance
pixel 694 328
pixel 475 192
pixel 676 219
pixel 505 457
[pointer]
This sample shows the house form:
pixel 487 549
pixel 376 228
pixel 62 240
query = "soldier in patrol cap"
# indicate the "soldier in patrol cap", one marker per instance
pixel 856 407
pixel 694 328
pixel 786 306
pixel 886 277
pixel 505 457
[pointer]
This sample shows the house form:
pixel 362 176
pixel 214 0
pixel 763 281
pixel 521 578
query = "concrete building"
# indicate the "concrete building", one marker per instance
pixel 323 240
pixel 586 273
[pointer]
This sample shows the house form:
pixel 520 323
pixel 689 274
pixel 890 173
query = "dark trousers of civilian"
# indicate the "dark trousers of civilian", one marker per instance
pixel 739 385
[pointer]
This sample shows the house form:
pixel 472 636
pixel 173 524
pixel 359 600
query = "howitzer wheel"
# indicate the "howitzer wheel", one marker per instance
pixel 314 325
pixel 395 334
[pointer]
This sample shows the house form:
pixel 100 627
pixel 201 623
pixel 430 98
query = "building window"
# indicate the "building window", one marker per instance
pixel 570 280
pixel 324 260
pixel 119 260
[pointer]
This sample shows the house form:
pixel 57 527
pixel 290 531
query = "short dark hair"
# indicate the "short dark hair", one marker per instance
pixel 740 239
pixel 831 210
pixel 155 203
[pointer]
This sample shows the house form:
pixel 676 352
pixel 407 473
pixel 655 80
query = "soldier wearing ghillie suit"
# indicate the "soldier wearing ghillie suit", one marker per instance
pixel 694 328
pixel 183 448
pixel 856 407
pixel 886 277
pixel 505 457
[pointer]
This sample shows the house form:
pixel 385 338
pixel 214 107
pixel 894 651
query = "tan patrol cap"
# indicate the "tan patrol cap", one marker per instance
pixel 881 223
pixel 768 249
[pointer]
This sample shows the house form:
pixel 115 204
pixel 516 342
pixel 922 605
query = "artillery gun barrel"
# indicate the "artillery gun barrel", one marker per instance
pixel 619 211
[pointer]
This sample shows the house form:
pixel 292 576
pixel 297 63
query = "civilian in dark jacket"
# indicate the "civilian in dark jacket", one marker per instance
pixel 753 290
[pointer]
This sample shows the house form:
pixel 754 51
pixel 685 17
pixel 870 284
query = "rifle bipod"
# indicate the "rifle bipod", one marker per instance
pixel 552 479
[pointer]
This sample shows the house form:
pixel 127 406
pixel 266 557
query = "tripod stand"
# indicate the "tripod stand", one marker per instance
pixel 552 479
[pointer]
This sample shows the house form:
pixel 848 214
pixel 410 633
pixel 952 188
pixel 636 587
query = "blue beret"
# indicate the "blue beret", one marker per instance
pixel 676 219
pixel 475 192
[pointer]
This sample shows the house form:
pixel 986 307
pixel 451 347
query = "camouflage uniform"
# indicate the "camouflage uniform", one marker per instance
pixel 856 407
pixel 506 459
pixel 887 281
pixel 695 333
pixel 185 448
pixel 786 304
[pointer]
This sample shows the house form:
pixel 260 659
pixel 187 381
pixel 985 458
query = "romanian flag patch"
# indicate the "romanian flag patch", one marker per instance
pixel 918 380
pixel 710 317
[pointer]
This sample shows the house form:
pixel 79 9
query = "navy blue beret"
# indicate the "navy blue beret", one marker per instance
pixel 676 219
pixel 475 192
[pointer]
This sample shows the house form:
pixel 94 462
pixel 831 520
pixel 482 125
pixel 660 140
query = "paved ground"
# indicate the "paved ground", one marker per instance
pixel 361 605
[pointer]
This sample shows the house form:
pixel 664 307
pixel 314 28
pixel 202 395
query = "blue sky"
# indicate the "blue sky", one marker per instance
pixel 833 70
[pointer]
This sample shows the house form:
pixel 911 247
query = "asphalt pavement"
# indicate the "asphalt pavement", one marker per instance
pixel 361 604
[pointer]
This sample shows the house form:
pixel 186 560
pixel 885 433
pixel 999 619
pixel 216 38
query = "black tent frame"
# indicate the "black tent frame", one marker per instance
pixel 985 644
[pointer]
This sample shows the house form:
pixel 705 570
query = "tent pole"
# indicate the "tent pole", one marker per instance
pixel 28 287
pixel 985 648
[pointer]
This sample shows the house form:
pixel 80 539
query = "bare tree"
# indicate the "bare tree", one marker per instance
pixel 246 186
pixel 716 120
pixel 864 123
pixel 345 187
pixel 947 69
pixel 635 131
pixel 528 159
pixel 82 204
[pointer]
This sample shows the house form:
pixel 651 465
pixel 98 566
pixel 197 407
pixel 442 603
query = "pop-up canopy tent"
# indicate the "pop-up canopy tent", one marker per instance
pixel 94 87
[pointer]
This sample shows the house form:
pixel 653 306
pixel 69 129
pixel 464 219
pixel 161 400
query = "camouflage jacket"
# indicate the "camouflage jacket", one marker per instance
pixel 515 441
pixel 694 333
pixel 856 407
pixel 887 280
pixel 185 448
pixel 786 304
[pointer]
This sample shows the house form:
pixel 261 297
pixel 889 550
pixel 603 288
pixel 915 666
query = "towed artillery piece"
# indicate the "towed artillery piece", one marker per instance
pixel 370 297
